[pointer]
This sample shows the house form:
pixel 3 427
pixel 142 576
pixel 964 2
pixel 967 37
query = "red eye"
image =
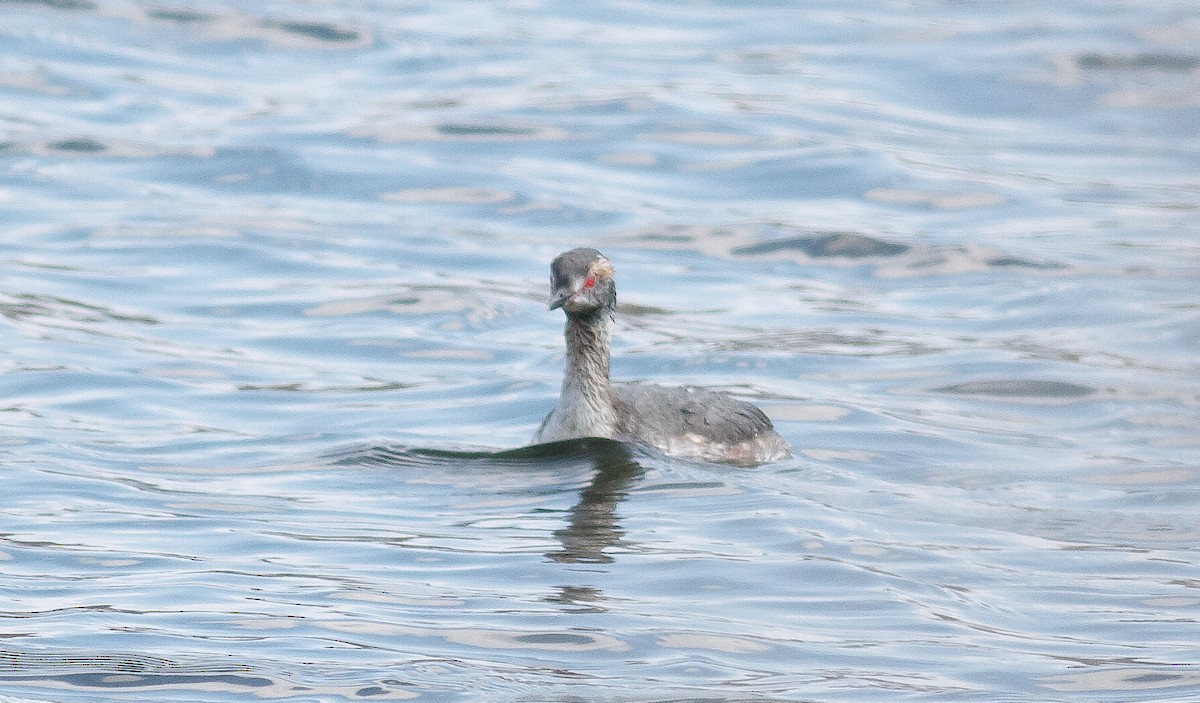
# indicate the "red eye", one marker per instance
pixel 590 282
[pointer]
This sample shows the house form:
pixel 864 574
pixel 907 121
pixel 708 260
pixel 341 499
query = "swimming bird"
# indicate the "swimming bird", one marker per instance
pixel 681 421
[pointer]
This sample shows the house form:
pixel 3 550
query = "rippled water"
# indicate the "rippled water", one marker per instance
pixel 273 299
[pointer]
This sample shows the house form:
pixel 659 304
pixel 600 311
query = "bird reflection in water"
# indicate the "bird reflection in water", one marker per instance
pixel 592 524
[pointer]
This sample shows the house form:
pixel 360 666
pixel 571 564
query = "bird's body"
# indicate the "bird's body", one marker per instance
pixel 686 421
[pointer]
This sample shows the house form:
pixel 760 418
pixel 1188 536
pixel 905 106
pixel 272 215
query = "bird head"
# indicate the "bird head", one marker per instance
pixel 581 283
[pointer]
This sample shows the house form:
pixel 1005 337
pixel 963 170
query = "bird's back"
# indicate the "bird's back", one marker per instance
pixel 699 423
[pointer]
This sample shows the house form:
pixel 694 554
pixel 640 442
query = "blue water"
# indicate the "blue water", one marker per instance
pixel 273 310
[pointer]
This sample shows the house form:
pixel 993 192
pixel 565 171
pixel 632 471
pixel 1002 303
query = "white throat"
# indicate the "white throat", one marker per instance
pixel 585 405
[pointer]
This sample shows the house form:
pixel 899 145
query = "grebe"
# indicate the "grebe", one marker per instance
pixel 689 422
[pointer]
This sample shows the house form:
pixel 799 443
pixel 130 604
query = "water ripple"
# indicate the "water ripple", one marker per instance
pixel 276 339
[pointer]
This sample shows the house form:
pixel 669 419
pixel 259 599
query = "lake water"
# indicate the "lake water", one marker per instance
pixel 273 308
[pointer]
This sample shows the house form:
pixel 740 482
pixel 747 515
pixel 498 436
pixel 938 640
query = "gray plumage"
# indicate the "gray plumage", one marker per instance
pixel 687 421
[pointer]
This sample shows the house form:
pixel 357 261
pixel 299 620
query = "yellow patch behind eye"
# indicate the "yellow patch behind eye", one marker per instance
pixel 601 269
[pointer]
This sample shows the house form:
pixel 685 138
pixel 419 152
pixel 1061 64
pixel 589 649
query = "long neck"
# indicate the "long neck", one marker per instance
pixel 589 347
pixel 587 400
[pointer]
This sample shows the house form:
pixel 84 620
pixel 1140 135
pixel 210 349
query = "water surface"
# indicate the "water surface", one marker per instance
pixel 273 311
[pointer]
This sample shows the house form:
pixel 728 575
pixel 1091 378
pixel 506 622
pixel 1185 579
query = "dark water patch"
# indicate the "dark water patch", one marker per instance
pixel 1019 388
pixel 180 16
pixel 12 661
pixel 555 638
pixel 1174 63
pixel 320 31
pixel 721 700
pixel 85 147
pixel 33 306
pixel 1018 262
pixel 120 671
pixel 847 245
pixel 313 388
pixel 79 145
pixel 892 258
pixel 121 681
pixel 20 311
pixel 56 4
pixel 667 238
pixel 486 130
pixel 1133 675
pixel 591 448
pixel 1155 678
pixel 450 131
